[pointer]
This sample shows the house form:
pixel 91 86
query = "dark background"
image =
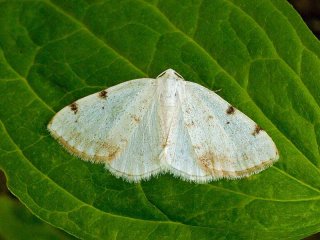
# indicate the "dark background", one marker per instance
pixel 309 11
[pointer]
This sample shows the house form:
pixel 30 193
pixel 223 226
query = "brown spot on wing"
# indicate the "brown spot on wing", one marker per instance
pixel 103 94
pixel 191 124
pixel 210 117
pixel 230 110
pixel 257 130
pixel 165 142
pixel 207 161
pixel 74 107
pixel 135 118
pixel 113 153
pixel 245 156
pixel 197 147
pixel 113 150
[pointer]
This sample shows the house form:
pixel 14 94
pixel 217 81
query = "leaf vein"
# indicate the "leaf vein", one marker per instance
pixel 85 28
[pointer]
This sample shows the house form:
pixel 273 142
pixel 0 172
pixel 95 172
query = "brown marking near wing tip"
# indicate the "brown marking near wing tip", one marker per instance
pixel 74 107
pixel 103 94
pixel 207 164
pixel 256 130
pixel 230 110
pixel 210 117
pixel 228 122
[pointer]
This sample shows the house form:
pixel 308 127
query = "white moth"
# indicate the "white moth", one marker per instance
pixel 147 126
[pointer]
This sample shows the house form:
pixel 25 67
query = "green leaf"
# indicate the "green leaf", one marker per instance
pixel 258 52
pixel 17 223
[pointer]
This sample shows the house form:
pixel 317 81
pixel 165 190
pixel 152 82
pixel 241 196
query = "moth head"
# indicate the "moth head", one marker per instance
pixel 170 73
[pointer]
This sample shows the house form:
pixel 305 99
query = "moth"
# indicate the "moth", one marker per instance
pixel 146 126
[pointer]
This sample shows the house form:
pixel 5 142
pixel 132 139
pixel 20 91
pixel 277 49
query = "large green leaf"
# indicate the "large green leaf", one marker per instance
pixel 258 52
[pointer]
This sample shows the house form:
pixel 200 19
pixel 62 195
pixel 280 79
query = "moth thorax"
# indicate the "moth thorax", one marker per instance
pixel 168 90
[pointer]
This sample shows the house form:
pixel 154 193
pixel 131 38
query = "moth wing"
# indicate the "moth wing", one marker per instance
pixel 118 127
pixel 214 140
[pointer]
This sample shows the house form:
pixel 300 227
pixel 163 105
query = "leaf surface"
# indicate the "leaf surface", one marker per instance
pixel 17 223
pixel 259 53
